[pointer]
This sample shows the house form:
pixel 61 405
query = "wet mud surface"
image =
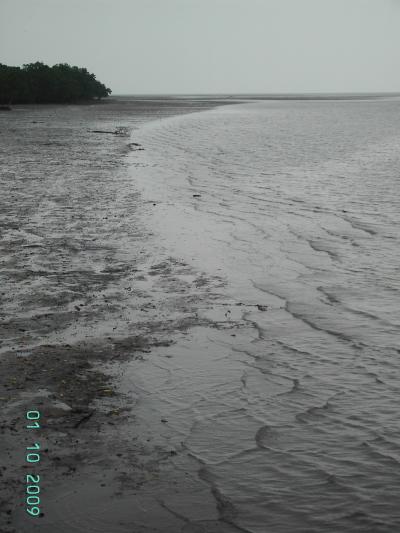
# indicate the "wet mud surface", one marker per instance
pixel 82 294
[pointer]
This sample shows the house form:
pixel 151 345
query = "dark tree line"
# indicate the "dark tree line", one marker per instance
pixel 39 83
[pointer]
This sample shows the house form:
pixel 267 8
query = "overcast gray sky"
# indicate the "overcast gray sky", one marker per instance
pixel 212 46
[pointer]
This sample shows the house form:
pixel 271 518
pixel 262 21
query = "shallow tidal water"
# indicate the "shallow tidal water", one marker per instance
pixel 263 238
pixel 290 406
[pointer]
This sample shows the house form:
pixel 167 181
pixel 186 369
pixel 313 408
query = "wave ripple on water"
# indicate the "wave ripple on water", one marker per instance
pixel 296 205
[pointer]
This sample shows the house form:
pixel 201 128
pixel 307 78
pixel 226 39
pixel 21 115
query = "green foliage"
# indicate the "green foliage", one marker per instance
pixel 39 83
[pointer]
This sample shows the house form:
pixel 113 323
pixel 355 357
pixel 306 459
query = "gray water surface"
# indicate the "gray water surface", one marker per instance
pixel 295 418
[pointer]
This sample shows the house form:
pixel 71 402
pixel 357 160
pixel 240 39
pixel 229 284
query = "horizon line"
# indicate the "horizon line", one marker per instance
pixel 268 94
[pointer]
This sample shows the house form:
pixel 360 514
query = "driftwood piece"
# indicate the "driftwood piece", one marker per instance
pixel 103 131
pixel 120 130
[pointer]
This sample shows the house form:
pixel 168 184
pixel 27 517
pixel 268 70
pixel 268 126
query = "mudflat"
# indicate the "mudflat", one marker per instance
pixel 74 308
pixel 201 302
